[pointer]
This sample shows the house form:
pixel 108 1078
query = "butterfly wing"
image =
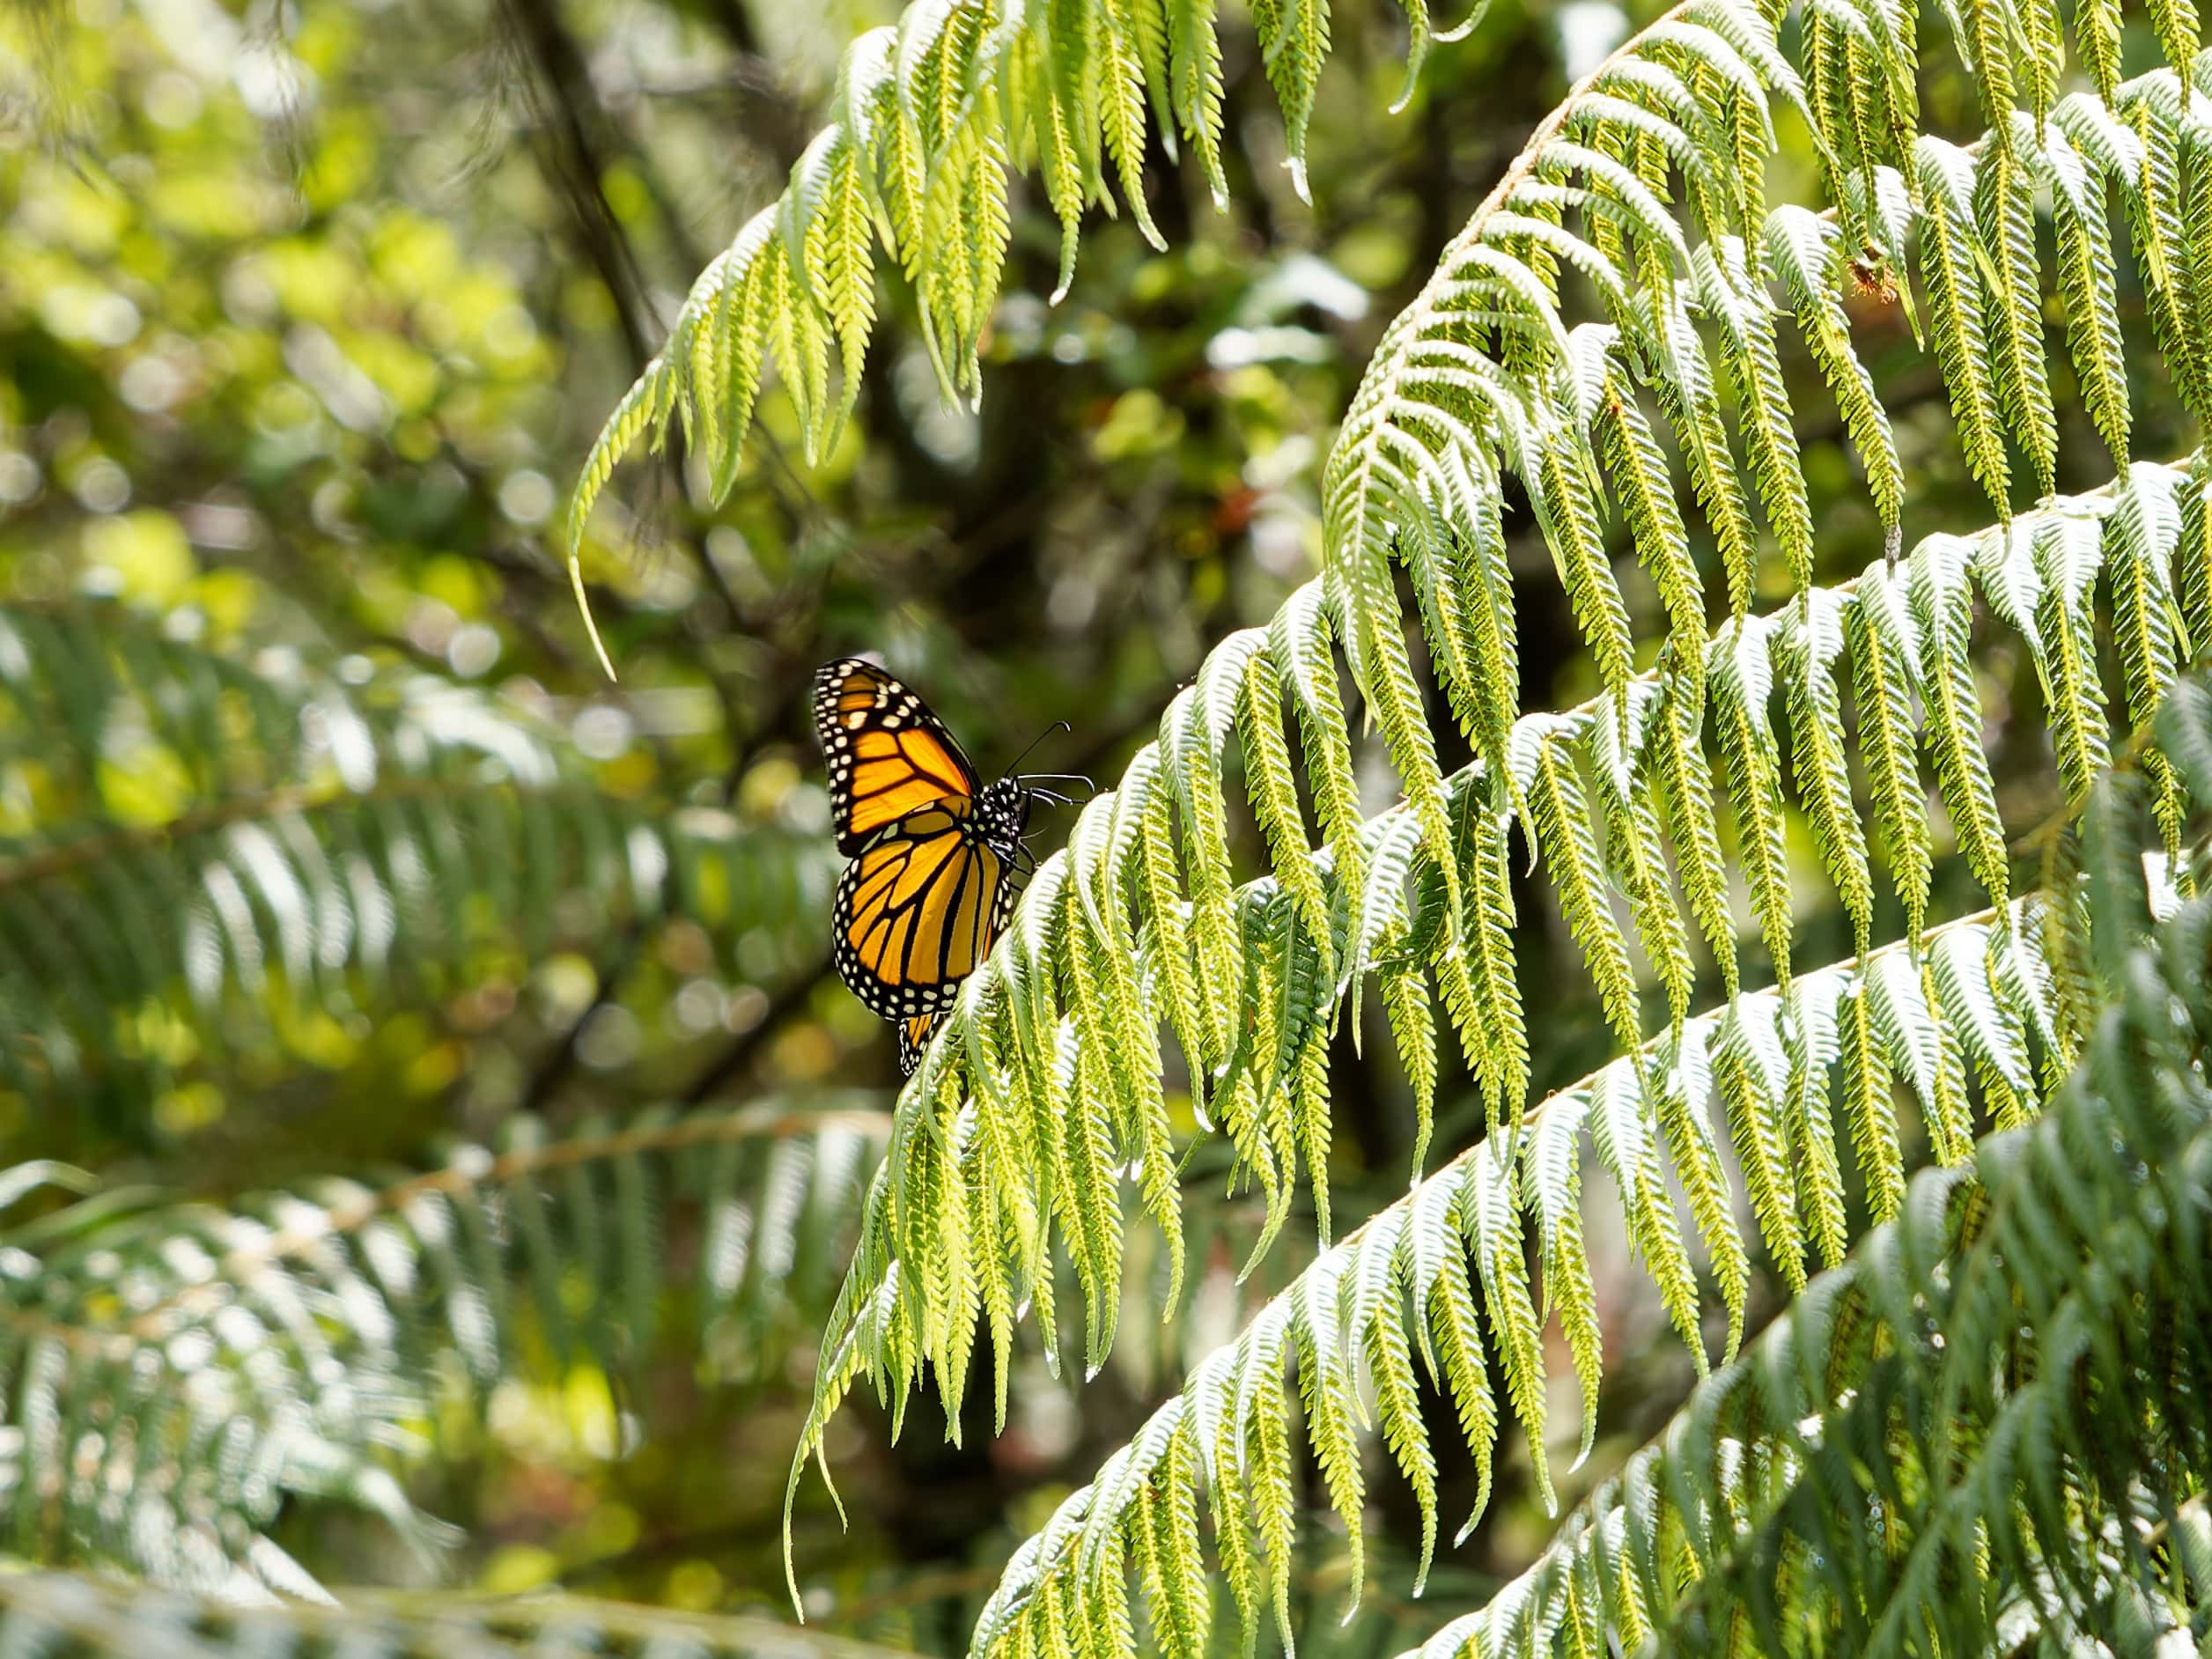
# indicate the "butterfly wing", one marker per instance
pixel 913 1037
pixel 889 756
pixel 917 911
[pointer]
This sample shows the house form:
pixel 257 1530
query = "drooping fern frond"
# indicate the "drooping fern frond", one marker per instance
pixel 173 1374
pixel 89 1617
pixel 1454 1252
pixel 2010 1374
pixel 930 115
pixel 1443 1275
pixel 197 842
pixel 960 1203
pixel 1641 202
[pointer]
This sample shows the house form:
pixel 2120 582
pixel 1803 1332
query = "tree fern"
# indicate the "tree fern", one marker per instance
pixel 2008 1367
pixel 1741 1049
pixel 1888 1023
pixel 1612 302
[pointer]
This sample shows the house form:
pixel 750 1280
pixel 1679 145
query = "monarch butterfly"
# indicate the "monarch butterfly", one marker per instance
pixel 935 853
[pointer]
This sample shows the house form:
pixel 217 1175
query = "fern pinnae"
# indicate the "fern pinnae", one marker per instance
pixel 1812 641
pixel 1962 970
pixel 1090 1179
pixel 1678 1085
pixel 1685 786
pixel 1298 642
pixel 1378 1327
pixel 2157 196
pixel 2004 208
pixel 1395 701
pixel 2087 284
pixel 1064 66
pixel 1618 200
pixel 2142 533
pixel 797 342
pixel 1810 1041
pixel 1121 92
pixel 1274 793
pixel 1264 1442
pixel 1951 267
pixel 1866 1087
pixel 839 240
pixel 2175 23
pixel 1941 608
pixel 1635 853
pixel 1561 821
pixel 1807 251
pixel 1324 1387
pixel 1194 68
pixel 1645 492
pixel 1218 1435
pixel 1561 493
pixel 1552 1180
pixel 1482 963
pixel 1731 280
pixel 1463 642
pixel 1742 676
pixel 1167 920
pixel 1692 409
pixel 1751 1076
pixel 1293 39
pixel 1308 1081
pixel 2067 553
pixel 1911 1035
pixel 1134 1043
pixel 1188 746
pixel 1490 1222
pixel 1622 1138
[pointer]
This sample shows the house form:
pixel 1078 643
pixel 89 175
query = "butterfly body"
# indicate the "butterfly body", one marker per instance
pixel 935 852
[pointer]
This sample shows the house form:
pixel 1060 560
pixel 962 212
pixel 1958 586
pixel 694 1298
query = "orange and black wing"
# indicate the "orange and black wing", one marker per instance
pixel 917 911
pixel 889 756
pixel 913 1037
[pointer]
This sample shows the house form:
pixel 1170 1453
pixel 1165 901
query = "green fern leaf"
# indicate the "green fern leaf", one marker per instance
pixel 1564 831
pixel 2088 285
pixel 1552 1182
pixel 1951 263
pixel 1750 1073
pixel 2004 207
pixel 1807 253
pixel 1812 642
pixel 1884 662
pixel 1810 1039
pixel 1742 676
pixel 1623 1132
pixel 1941 608
pixel 1634 852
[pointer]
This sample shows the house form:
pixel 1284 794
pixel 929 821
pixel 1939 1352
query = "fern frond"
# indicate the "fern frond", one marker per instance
pixel 241 1403
pixel 1939 1377
pixel 928 118
pixel 1747 1074
pixel 333 841
pixel 1266 1009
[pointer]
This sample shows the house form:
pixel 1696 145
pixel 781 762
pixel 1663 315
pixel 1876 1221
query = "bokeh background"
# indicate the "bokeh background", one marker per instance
pixel 309 313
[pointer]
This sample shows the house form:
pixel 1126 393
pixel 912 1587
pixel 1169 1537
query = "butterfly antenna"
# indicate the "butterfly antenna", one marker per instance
pixel 1057 726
